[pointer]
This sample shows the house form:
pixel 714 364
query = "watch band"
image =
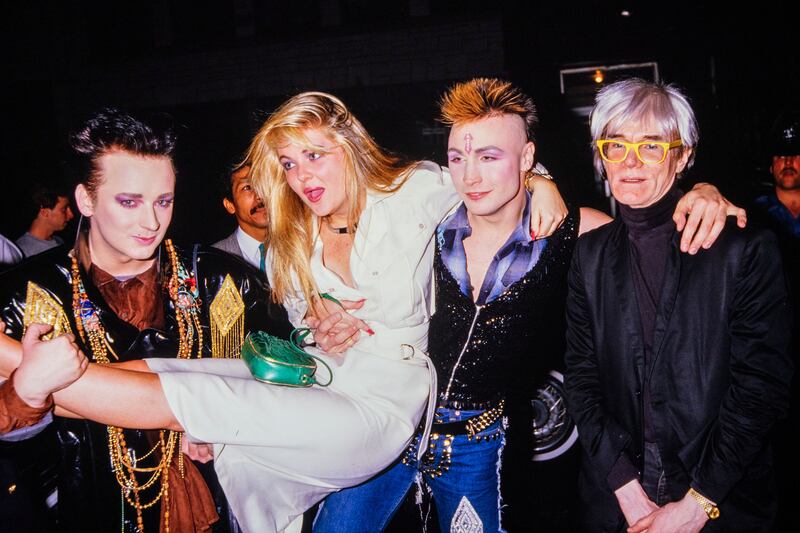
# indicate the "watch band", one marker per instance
pixel 708 506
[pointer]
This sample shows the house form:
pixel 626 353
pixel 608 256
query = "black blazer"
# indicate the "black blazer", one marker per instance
pixel 719 377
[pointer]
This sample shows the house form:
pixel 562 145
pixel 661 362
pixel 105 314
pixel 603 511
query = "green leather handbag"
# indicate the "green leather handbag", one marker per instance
pixel 280 362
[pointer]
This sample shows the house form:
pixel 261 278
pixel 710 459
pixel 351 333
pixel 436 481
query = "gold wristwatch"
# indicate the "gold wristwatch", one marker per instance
pixel 708 506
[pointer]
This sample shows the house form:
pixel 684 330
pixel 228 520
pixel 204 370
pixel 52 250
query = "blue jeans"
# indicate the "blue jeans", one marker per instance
pixel 463 476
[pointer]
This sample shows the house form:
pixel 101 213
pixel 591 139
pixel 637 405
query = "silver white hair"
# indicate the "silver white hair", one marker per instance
pixel 636 99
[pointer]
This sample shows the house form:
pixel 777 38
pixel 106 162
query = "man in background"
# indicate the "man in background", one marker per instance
pixel 782 205
pixel 52 213
pixel 240 200
pixel 779 210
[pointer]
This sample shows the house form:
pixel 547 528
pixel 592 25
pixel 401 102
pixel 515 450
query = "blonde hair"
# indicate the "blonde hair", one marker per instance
pixel 486 97
pixel 290 229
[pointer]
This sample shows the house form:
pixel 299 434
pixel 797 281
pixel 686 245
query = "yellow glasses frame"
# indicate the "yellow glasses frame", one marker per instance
pixel 667 146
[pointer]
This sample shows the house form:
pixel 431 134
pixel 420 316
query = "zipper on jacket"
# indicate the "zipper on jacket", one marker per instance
pixel 463 349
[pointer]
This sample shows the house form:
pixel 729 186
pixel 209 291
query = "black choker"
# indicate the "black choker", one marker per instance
pixel 340 231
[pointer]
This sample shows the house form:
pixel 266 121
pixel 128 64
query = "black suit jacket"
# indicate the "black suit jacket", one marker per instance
pixel 718 380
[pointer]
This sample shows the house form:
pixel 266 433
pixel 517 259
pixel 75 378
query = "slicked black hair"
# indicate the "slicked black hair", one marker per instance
pixel 112 129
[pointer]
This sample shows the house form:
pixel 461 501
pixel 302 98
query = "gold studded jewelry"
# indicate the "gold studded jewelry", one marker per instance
pixel 484 420
pixel 126 465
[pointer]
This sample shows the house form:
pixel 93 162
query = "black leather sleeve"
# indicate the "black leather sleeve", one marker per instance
pixel 49 271
pixel 261 313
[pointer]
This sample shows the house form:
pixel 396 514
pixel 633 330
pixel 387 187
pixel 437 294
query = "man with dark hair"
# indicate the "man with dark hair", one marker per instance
pixel 126 293
pixel 240 199
pixel 782 205
pixel 52 213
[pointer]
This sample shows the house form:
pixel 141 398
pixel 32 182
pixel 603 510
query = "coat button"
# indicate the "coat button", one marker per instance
pixel 12 488
pixel 638 392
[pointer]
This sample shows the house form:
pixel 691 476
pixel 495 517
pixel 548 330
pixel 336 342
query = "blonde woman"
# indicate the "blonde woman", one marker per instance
pixel 346 219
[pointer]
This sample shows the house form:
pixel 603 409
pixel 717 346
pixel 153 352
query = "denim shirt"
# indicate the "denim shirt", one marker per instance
pixel 778 212
pixel 511 262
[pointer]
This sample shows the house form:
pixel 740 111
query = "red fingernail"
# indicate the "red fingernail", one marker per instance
pixel 361 300
pixel 533 235
pixel 369 330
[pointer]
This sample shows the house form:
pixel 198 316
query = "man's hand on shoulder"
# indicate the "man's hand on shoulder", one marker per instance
pixel 548 209
pixel 701 215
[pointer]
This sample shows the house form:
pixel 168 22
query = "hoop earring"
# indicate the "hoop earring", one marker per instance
pixel 78 230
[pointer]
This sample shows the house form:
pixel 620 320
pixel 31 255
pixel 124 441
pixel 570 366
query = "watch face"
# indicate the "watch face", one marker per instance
pixel 554 432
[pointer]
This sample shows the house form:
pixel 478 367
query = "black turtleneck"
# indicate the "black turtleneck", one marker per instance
pixel 650 231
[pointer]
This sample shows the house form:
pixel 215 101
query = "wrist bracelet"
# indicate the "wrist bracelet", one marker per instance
pixel 529 175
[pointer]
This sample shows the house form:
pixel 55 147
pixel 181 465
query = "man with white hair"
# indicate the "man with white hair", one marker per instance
pixel 677 365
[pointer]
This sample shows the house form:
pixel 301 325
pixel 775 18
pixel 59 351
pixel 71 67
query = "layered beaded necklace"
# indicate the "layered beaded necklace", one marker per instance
pixel 184 295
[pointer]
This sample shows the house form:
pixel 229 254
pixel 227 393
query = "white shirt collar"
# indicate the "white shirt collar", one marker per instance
pixel 249 247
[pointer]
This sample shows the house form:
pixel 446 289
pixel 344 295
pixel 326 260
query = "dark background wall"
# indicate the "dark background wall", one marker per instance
pixel 219 69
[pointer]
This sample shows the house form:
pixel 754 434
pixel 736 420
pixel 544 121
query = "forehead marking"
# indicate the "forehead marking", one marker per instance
pixel 468 143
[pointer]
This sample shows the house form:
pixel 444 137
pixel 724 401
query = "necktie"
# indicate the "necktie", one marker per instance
pixel 262 253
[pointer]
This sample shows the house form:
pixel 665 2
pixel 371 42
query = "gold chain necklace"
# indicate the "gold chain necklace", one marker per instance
pixel 183 293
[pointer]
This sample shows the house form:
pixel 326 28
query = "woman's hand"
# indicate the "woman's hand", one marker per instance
pixel 548 209
pixel 701 215
pixel 197 451
pixel 335 330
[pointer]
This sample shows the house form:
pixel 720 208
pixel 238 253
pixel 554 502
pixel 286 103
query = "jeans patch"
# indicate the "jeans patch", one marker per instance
pixel 466 519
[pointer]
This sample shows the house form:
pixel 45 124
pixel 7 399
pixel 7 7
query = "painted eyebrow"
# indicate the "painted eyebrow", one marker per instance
pixel 478 150
pixel 130 195
pixel 485 149
pixel 166 195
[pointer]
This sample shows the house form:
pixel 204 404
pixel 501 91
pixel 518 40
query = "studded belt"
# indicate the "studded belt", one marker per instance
pixel 470 426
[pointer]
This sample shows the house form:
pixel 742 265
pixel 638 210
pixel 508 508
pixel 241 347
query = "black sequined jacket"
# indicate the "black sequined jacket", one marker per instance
pixel 88 493
pixel 483 353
